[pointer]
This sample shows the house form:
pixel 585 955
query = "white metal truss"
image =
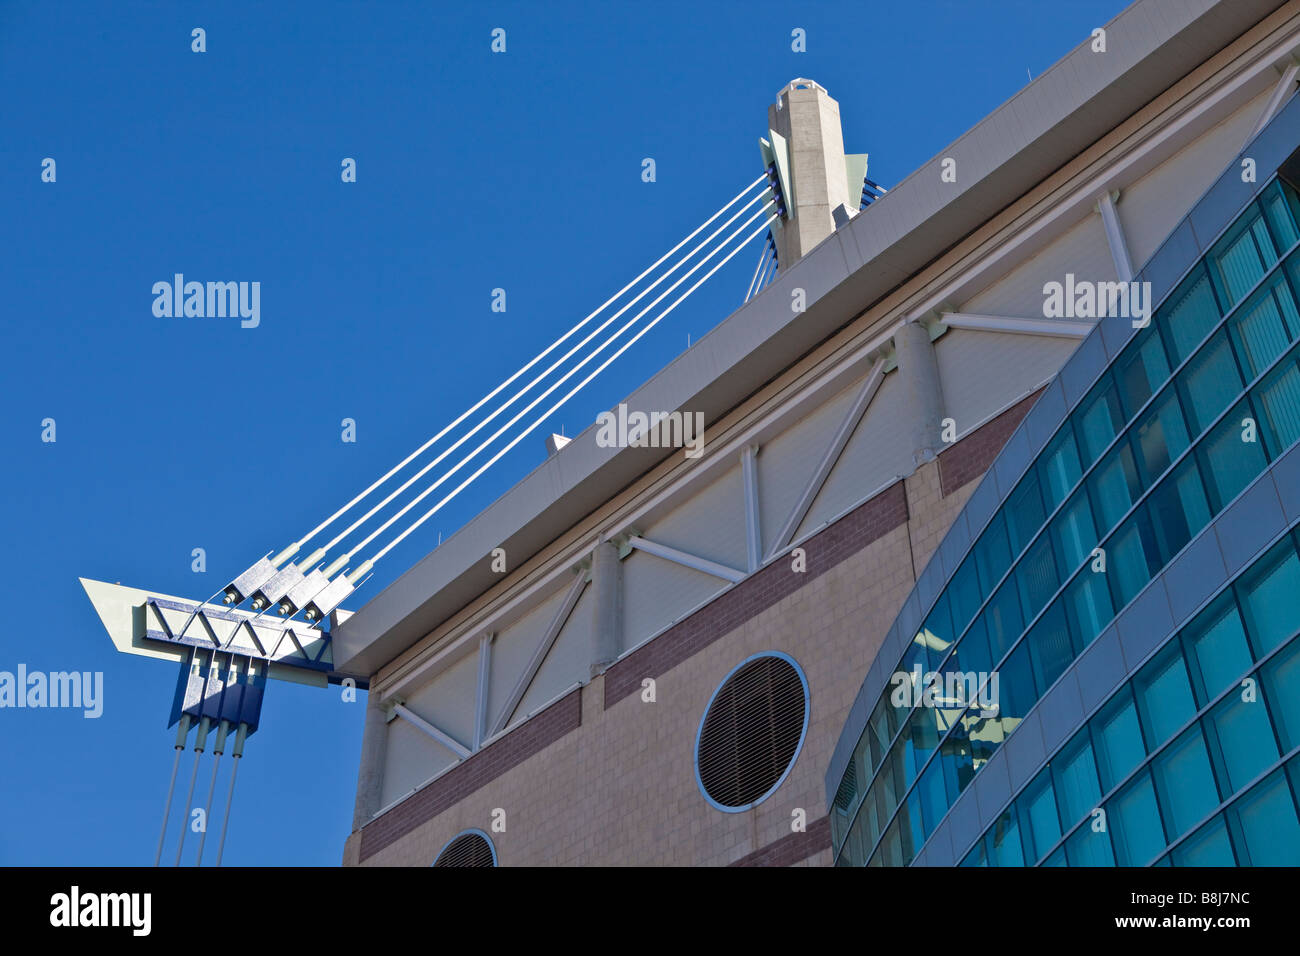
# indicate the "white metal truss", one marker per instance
pixel 444 738
pixel 686 560
pixel 558 620
pixel 847 426
pixel 1063 328
pixel 1115 235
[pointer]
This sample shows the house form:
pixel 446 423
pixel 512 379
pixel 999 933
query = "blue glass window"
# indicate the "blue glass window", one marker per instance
pixel 1243 739
pixel 1089 847
pixel 1115 485
pixel 1100 419
pixel 1216 648
pixel 1268 598
pixel 1075 774
pixel 1230 462
pixel 1264 326
pixel 1117 739
pixel 1038 818
pixel 1185 782
pixel 1266 821
pixel 1208 846
pixel 1135 823
pixel 1190 314
pixel 1281 681
pixel 1209 383
pixel 1164 695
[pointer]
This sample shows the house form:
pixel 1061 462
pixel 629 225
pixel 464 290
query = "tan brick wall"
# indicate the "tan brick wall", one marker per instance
pixel 619 788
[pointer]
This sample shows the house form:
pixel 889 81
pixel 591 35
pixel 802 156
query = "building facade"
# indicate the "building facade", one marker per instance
pixel 670 667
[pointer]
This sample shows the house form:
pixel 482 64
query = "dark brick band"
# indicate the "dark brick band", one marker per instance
pixel 969 458
pixel 473 773
pixel 762 589
pixel 793 848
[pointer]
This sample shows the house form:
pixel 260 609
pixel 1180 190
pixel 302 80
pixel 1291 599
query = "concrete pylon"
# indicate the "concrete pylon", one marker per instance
pixel 607 583
pixel 918 372
pixel 809 120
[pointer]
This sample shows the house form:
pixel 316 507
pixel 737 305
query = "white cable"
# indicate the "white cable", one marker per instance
pixel 464 461
pixel 762 261
pixel 556 364
pixel 392 544
pixel 492 394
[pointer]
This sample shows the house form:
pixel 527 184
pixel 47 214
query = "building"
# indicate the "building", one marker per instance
pixel 670 669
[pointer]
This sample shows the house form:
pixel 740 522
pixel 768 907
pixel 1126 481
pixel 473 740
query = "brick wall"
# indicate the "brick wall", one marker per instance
pixel 605 777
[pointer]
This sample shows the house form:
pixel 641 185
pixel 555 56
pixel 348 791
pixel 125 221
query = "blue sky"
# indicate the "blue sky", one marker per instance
pixel 475 171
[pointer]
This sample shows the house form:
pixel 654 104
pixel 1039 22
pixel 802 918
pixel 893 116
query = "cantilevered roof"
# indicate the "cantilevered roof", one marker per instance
pixel 1149 46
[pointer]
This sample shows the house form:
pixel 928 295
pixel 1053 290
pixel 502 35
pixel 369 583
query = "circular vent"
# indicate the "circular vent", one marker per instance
pixel 752 731
pixel 471 848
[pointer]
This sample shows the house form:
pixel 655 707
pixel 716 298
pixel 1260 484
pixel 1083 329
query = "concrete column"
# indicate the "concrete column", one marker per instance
pixel 370 778
pixel 809 120
pixel 918 371
pixel 607 582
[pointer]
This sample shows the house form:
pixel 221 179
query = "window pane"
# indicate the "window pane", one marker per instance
pixel 1185 783
pixel 1243 739
pixel 1038 816
pixel 1266 820
pixel 1130 555
pixel 1016 687
pixel 1004 847
pixel 1209 846
pixel 1261 328
pixel 1118 739
pixel 1164 695
pixel 1003 618
pixel 1075 775
pixel 1237 261
pixel 1024 512
pixel 1037 577
pixel 993 553
pixel 1088 606
pixel 1189 315
pixel 1059 467
pixel 1267 594
pixel 1141 370
pixel 1049 648
pixel 1100 420
pixel 1115 486
pixel 1281 221
pixel 1281 679
pixel 1089 847
pixel 1216 648
pixel 1159 438
pixel 1230 462
pixel 1278 400
pixel 1209 383
pixel 1134 823
pixel 1073 533
pixel 1178 509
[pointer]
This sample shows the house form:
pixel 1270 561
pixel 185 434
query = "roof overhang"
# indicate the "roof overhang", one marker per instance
pixel 1149 47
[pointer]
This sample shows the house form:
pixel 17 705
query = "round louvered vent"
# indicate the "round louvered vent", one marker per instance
pixel 752 731
pixel 471 848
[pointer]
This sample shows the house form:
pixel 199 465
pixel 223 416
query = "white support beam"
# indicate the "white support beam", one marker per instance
pixel 481 693
pixel 1115 236
pixel 553 629
pixel 1281 93
pixel 841 438
pixel 1065 328
pixel 753 532
pixel 444 738
pixel 685 559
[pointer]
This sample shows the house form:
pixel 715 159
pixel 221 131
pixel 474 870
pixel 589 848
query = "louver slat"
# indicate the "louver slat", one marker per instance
pixel 470 849
pixel 752 731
